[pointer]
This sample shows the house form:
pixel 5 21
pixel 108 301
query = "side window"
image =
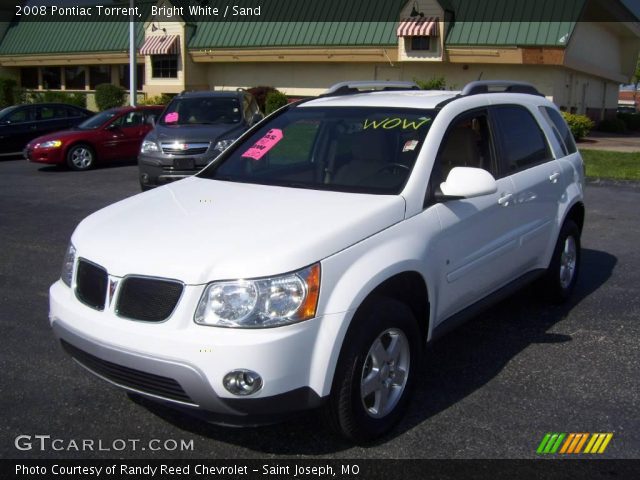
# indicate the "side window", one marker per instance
pixel 46 113
pixel 522 141
pixel 558 122
pixel 71 112
pixel 21 115
pixel 133 119
pixel 246 109
pixel 467 143
pixel 151 114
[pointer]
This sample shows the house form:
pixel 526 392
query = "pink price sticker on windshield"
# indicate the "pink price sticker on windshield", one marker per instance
pixel 266 143
pixel 171 117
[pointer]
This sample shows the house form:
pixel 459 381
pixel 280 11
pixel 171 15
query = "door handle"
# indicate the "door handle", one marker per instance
pixel 553 178
pixel 505 200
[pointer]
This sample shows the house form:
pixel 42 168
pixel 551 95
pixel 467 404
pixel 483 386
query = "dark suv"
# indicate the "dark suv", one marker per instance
pixel 194 129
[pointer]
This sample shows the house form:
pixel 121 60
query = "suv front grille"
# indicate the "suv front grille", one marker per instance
pixel 128 377
pixel 148 299
pixel 185 148
pixel 91 284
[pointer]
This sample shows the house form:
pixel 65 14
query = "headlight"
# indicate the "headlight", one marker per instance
pixel 149 146
pixel 50 144
pixel 261 303
pixel 67 266
pixel 222 145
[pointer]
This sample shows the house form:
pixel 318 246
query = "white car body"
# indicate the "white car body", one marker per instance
pixel 198 231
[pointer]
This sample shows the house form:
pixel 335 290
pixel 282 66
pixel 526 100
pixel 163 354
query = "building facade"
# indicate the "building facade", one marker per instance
pixel 577 53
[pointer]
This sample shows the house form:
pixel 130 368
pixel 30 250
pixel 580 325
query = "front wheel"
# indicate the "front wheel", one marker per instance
pixel 376 371
pixel 80 157
pixel 562 273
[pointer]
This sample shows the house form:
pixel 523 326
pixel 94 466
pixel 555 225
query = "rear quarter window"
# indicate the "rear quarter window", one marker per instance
pixel 558 124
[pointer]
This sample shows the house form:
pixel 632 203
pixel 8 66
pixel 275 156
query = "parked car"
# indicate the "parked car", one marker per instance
pixel 318 255
pixel 21 123
pixel 626 109
pixel 114 135
pixel 194 129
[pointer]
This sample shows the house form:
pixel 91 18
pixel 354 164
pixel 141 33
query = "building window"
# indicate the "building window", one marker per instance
pixel 164 66
pixel 29 77
pixel 420 43
pixel 51 78
pixel 99 74
pixel 123 76
pixel 74 78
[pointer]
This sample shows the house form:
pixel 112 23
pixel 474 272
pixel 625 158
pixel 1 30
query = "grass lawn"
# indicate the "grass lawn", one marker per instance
pixel 612 165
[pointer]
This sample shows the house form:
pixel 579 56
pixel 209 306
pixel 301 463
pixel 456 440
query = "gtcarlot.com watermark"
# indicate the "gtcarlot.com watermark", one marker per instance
pixel 47 443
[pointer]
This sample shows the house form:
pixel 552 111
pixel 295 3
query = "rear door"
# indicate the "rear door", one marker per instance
pixel 525 156
pixel 51 118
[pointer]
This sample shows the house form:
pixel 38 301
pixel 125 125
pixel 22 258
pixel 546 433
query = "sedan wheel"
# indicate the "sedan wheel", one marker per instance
pixel 80 157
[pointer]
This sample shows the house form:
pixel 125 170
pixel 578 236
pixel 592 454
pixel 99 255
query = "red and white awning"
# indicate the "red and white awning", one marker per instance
pixel 160 45
pixel 418 27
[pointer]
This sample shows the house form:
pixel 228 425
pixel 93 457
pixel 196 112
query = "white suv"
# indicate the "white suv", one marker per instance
pixel 312 261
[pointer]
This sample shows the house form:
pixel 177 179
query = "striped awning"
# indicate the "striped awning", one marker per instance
pixel 160 45
pixel 418 27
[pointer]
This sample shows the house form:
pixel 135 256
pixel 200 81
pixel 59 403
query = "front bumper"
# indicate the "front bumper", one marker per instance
pixel 158 169
pixel 44 155
pixel 181 363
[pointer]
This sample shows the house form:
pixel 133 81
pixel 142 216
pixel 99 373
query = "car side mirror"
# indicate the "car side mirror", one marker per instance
pixel 151 120
pixel 467 182
pixel 256 118
pixel 112 127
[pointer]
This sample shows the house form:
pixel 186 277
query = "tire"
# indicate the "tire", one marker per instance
pixel 562 274
pixel 356 414
pixel 81 157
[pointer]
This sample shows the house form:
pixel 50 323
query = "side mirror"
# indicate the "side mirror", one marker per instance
pixel 151 120
pixel 468 182
pixel 112 127
pixel 256 118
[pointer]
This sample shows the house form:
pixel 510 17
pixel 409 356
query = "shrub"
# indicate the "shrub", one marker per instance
pixel 580 125
pixel 434 83
pixel 275 100
pixel 631 120
pixel 7 86
pixel 260 94
pixel 109 96
pixel 612 125
pixel 157 100
pixel 77 99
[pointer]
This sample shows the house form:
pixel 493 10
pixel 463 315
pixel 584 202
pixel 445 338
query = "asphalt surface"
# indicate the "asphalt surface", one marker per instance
pixel 490 389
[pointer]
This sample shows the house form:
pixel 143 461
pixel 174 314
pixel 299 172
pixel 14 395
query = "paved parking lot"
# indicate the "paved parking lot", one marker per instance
pixel 491 389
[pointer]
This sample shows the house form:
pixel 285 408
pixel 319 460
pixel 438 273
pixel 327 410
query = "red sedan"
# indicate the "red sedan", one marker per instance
pixel 114 135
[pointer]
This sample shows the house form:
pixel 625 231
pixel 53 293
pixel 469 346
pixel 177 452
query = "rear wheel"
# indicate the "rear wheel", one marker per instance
pixel 376 371
pixel 80 157
pixel 562 273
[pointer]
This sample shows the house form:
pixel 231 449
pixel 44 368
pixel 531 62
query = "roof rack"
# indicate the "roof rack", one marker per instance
pixel 345 88
pixel 502 86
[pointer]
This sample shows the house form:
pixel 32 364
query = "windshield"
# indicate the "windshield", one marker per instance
pixel 368 150
pixel 97 120
pixel 202 111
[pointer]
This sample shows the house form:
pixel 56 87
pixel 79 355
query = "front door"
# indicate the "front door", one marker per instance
pixel 478 242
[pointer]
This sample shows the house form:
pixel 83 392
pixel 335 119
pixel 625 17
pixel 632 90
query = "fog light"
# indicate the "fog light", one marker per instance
pixel 242 382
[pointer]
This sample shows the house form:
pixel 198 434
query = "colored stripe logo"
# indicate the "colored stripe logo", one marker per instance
pixel 573 443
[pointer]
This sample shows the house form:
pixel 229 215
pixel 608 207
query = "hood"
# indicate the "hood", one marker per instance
pixel 199 230
pixel 197 133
